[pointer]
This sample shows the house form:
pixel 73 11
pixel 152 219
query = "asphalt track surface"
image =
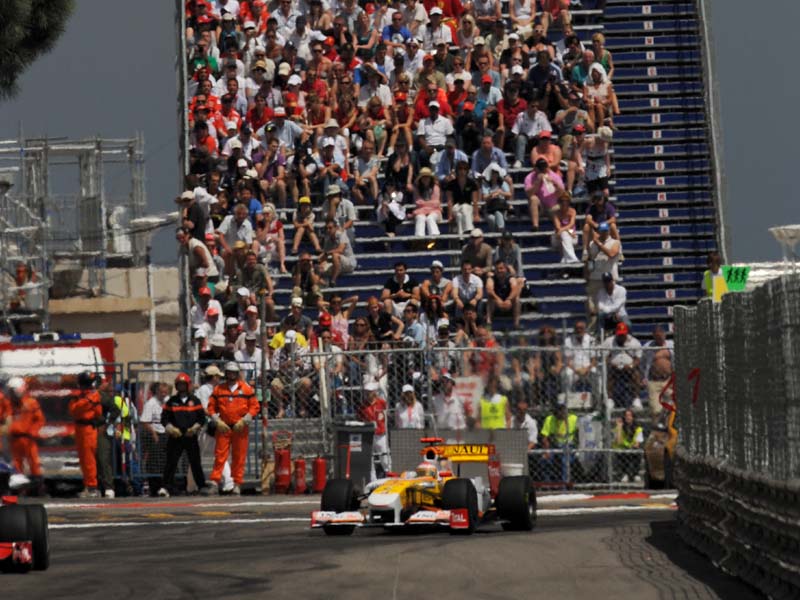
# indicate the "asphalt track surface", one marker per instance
pixel 253 547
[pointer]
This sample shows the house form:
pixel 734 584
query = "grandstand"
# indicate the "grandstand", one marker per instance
pixel 662 184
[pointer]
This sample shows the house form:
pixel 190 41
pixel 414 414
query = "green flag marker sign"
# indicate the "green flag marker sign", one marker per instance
pixel 735 277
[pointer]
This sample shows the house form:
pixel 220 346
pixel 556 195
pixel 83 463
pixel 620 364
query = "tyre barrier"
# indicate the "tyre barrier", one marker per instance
pixel 747 524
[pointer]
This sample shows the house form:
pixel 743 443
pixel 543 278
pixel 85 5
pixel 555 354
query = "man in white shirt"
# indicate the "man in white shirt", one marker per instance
pixel 249 359
pixel 623 353
pixel 409 413
pixel 521 419
pixel 432 134
pixel 602 257
pixel 611 304
pixel 435 31
pixel 467 287
pixel 154 439
pixel 528 125
pixel 373 87
pixel 450 410
pixel 414 15
pixel 198 311
pixel 580 372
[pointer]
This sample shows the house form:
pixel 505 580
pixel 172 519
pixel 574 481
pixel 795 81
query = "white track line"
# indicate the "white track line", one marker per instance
pixel 187 504
pixel 547 512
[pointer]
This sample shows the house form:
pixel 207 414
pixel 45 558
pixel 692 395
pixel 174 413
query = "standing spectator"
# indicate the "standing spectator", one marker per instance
pixel 593 161
pixel 374 410
pixel 494 410
pixel 713 276
pixel 409 413
pixel 487 154
pixel 198 253
pixel 399 290
pixel 182 418
pixel 428 206
pixel 627 436
pixel 153 441
pixel 337 256
pixel 235 228
pixel 521 419
pixel 412 328
pixel 580 369
pixel 271 237
pixel 602 257
pixel 192 215
pixel 449 409
pixel 559 431
pixel 478 253
pixel 232 406
pixel 462 199
pixel 565 236
pixel 503 295
pixel 623 353
pixel 611 304
pixel 365 190
pixel 296 320
pixel 657 361
pixel 292 384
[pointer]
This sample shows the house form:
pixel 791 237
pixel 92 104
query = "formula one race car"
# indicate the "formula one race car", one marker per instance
pixel 24 536
pixel 432 495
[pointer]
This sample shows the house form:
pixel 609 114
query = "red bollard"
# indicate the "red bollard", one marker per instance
pixel 300 476
pixel 319 475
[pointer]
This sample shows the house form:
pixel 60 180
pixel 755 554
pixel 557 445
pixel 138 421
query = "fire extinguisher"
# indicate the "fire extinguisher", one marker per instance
pixel 300 476
pixel 319 475
pixel 282 445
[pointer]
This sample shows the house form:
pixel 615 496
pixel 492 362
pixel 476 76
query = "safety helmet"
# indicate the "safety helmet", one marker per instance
pixel 183 378
pixel 16 385
pixel 426 469
pixel 85 379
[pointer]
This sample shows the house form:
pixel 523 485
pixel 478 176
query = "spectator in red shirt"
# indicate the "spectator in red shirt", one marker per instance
pixel 508 108
pixel 429 93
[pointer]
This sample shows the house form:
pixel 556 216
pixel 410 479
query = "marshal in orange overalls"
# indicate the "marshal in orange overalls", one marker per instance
pixel 26 421
pixel 5 415
pixel 87 412
pixel 232 406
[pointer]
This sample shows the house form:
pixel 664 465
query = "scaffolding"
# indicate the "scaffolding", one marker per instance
pixel 58 232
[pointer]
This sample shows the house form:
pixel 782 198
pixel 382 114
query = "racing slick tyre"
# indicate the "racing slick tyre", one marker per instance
pixel 14 526
pixel 516 503
pixel 39 535
pixel 339 496
pixel 460 493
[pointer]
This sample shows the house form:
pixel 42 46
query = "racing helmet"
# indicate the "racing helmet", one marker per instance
pixel 183 378
pixel 16 385
pixel 85 379
pixel 427 469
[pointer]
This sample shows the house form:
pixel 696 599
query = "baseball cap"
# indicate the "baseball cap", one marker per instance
pixel 252 309
pixel 235 143
pixel 546 134
pixel 371 387
pixel 476 233
pixel 443 324
pixel 218 340
pixel 446 374
pixel 517 70
pixel 435 11
pixel 328 142
pixel 230 321
pixel 232 366
pixel 279 111
pixel 297 301
pixel 507 235
pixel 332 123
pixel 304 200
pixel 212 311
pixel 433 103
pixel 603 226
pixel 241 162
pixel 427 57
pixel 621 329
pixel 295 80
pixel 204 291
pixel 250 336
pixel 408 388
pixel 325 320
pixel 479 41
pixel 284 69
pixel 333 190
pixel 187 195
pixel 259 64
pixel 249 25
pixel 469 106
pixel 228 17
pixel 608 276
pixel 579 128
pixel 513 35
pixel 212 371
pixel 290 336
pixel 239 244
pixel 486 78
pixel 243 292
pixel 437 264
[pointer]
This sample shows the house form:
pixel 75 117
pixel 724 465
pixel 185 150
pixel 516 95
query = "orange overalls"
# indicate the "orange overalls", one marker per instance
pixel 232 406
pixel 5 413
pixel 26 421
pixel 86 411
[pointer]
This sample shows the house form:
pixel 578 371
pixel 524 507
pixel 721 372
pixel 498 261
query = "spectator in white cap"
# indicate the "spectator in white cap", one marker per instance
pixel 231 331
pixel 495 196
pixel 249 359
pixel 200 341
pixel 437 285
pixel 409 413
pixel 218 353
pixel 296 320
pixel 432 134
pixel 450 410
pixel 435 31
pixel 478 253
pixel 341 210
pixel 286 130
pixel 251 324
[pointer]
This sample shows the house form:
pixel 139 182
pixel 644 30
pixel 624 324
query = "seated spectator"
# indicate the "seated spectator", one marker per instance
pixel 432 135
pixel 211 244
pixel 580 369
pixel 250 325
pixel 365 188
pixel 271 170
pixel 467 288
pixel 495 196
pixel 478 254
pixel 390 209
pixel 468 325
pixel 627 436
pixel 341 211
pixel 448 161
pixel 487 98
pixel 623 353
pixel 503 295
pixel 487 154
pixel 657 369
pixel 428 206
pixel 462 199
pixel 469 129
pixel 340 311
pixel 234 228
pixel 256 279
pixel 218 352
pixel 611 304
pixel 412 327
pixel 199 310
pixel 526 128
pixel 398 290
pixel 384 326
pixel 271 237
pixel 508 109
pixel 214 323
pixel 232 332
pixel 437 285
pixel 409 414
pixel 601 100
pixel 296 320
pixel 510 253
pixel 305 281
pixel 292 386
pixel 401 169
pixel 580 74
pixel 523 16
pixel 565 235
pixel 303 221
pixel 555 13
pixel 402 119
pixel 602 256
pixel 249 359
pixel 236 306
pixel 543 187
pixel 432 314
pixel 566 121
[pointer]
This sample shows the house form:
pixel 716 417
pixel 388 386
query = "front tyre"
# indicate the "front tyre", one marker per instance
pixel 339 496
pixel 461 493
pixel 516 503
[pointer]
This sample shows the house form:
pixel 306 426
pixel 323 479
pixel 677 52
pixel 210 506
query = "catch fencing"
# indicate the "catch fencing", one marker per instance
pixel 738 397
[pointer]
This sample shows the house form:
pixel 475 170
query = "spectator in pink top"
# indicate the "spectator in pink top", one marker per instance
pixel 428 211
pixel 543 186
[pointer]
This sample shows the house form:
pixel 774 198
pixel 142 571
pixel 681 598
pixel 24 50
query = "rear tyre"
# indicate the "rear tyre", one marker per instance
pixel 460 493
pixel 516 503
pixel 40 536
pixel 14 526
pixel 339 496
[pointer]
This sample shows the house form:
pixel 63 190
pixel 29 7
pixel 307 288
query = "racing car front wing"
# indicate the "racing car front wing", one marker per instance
pixel 454 519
